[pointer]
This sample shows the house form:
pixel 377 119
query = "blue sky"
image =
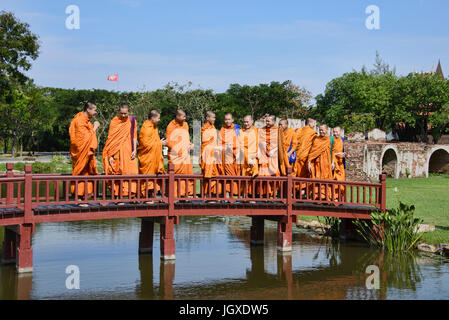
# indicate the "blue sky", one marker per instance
pixel 216 43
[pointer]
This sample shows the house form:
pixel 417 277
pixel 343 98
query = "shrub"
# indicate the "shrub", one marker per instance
pixel 396 230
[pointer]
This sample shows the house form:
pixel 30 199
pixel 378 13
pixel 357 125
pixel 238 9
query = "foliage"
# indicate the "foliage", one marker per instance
pixel 18 45
pixel 361 101
pixel 334 224
pixel 395 230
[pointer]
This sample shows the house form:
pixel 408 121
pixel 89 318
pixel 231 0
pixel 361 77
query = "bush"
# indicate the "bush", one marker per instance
pixel 396 230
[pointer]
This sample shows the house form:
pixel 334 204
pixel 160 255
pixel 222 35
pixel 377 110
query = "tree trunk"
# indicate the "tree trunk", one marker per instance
pixel 21 147
pixel 5 141
pixel 13 145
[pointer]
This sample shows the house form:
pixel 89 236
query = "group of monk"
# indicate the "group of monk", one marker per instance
pixel 232 151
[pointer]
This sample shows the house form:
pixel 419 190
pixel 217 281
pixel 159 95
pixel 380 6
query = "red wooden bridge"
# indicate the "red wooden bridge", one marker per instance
pixel 28 199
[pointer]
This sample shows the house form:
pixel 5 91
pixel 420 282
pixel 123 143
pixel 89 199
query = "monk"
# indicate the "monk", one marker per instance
pixel 289 142
pixel 228 141
pixel 209 140
pixel 338 155
pixel 248 142
pixel 304 139
pixel 83 143
pixel 271 153
pixel 319 162
pixel 151 159
pixel 119 153
pixel 179 146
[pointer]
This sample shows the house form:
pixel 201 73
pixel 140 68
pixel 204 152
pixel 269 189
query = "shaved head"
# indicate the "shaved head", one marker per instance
pixel 323 130
pixel 311 122
pixel 283 123
pixel 247 121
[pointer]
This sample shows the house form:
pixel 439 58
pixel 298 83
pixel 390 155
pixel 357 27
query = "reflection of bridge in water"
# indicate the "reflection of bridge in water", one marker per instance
pixel 30 199
pixel 341 275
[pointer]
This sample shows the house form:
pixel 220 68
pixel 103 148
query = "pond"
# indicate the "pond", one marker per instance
pixel 214 260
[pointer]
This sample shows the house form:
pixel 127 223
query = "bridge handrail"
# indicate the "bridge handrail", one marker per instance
pixel 27 194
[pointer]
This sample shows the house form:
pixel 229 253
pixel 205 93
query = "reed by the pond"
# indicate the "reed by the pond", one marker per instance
pixel 395 230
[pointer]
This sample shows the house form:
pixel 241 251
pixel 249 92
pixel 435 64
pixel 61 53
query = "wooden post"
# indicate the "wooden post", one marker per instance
pixel 10 185
pixel 171 189
pixel 290 191
pixel 257 230
pixel 167 238
pixel 383 192
pixel 24 255
pixel 146 235
pixel 284 229
pixel 28 194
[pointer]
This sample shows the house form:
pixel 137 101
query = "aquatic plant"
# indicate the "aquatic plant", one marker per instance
pixel 394 230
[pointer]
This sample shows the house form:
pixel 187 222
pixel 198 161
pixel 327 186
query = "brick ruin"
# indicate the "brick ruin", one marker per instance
pixel 367 157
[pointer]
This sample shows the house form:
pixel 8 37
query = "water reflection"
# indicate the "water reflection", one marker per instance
pixel 214 260
pixel 14 286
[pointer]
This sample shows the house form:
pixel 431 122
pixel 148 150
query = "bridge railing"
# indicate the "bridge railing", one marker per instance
pixel 32 190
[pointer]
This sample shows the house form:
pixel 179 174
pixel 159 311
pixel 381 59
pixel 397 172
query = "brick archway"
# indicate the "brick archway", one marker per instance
pixel 438 160
pixel 389 162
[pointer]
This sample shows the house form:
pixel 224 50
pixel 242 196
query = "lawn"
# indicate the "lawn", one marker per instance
pixel 431 199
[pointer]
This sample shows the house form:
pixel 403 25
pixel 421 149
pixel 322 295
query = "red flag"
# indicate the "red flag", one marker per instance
pixel 114 77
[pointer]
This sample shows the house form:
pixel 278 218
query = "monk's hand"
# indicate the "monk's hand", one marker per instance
pixel 333 165
pixel 191 146
pixel 111 161
pixel 164 142
pixel 96 125
pixel 133 155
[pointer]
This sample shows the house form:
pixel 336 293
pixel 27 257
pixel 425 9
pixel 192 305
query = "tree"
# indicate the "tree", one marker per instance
pixel 17 46
pixel 424 97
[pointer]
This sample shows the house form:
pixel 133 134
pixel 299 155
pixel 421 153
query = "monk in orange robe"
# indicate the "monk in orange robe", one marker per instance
pixel 304 139
pixel 228 141
pixel 248 142
pixel 209 140
pixel 271 154
pixel 119 153
pixel 320 161
pixel 83 143
pixel 179 146
pixel 338 167
pixel 151 159
pixel 289 141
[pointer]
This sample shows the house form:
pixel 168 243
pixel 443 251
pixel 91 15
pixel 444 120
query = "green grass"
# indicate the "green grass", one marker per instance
pixel 431 199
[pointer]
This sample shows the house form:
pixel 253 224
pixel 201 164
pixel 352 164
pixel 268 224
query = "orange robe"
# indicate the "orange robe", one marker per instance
pixel 83 143
pixel 304 139
pixel 248 146
pixel 289 139
pixel 178 141
pixel 151 160
pixel 209 140
pixel 119 146
pixel 339 170
pixel 272 161
pixel 229 165
pixel 320 160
